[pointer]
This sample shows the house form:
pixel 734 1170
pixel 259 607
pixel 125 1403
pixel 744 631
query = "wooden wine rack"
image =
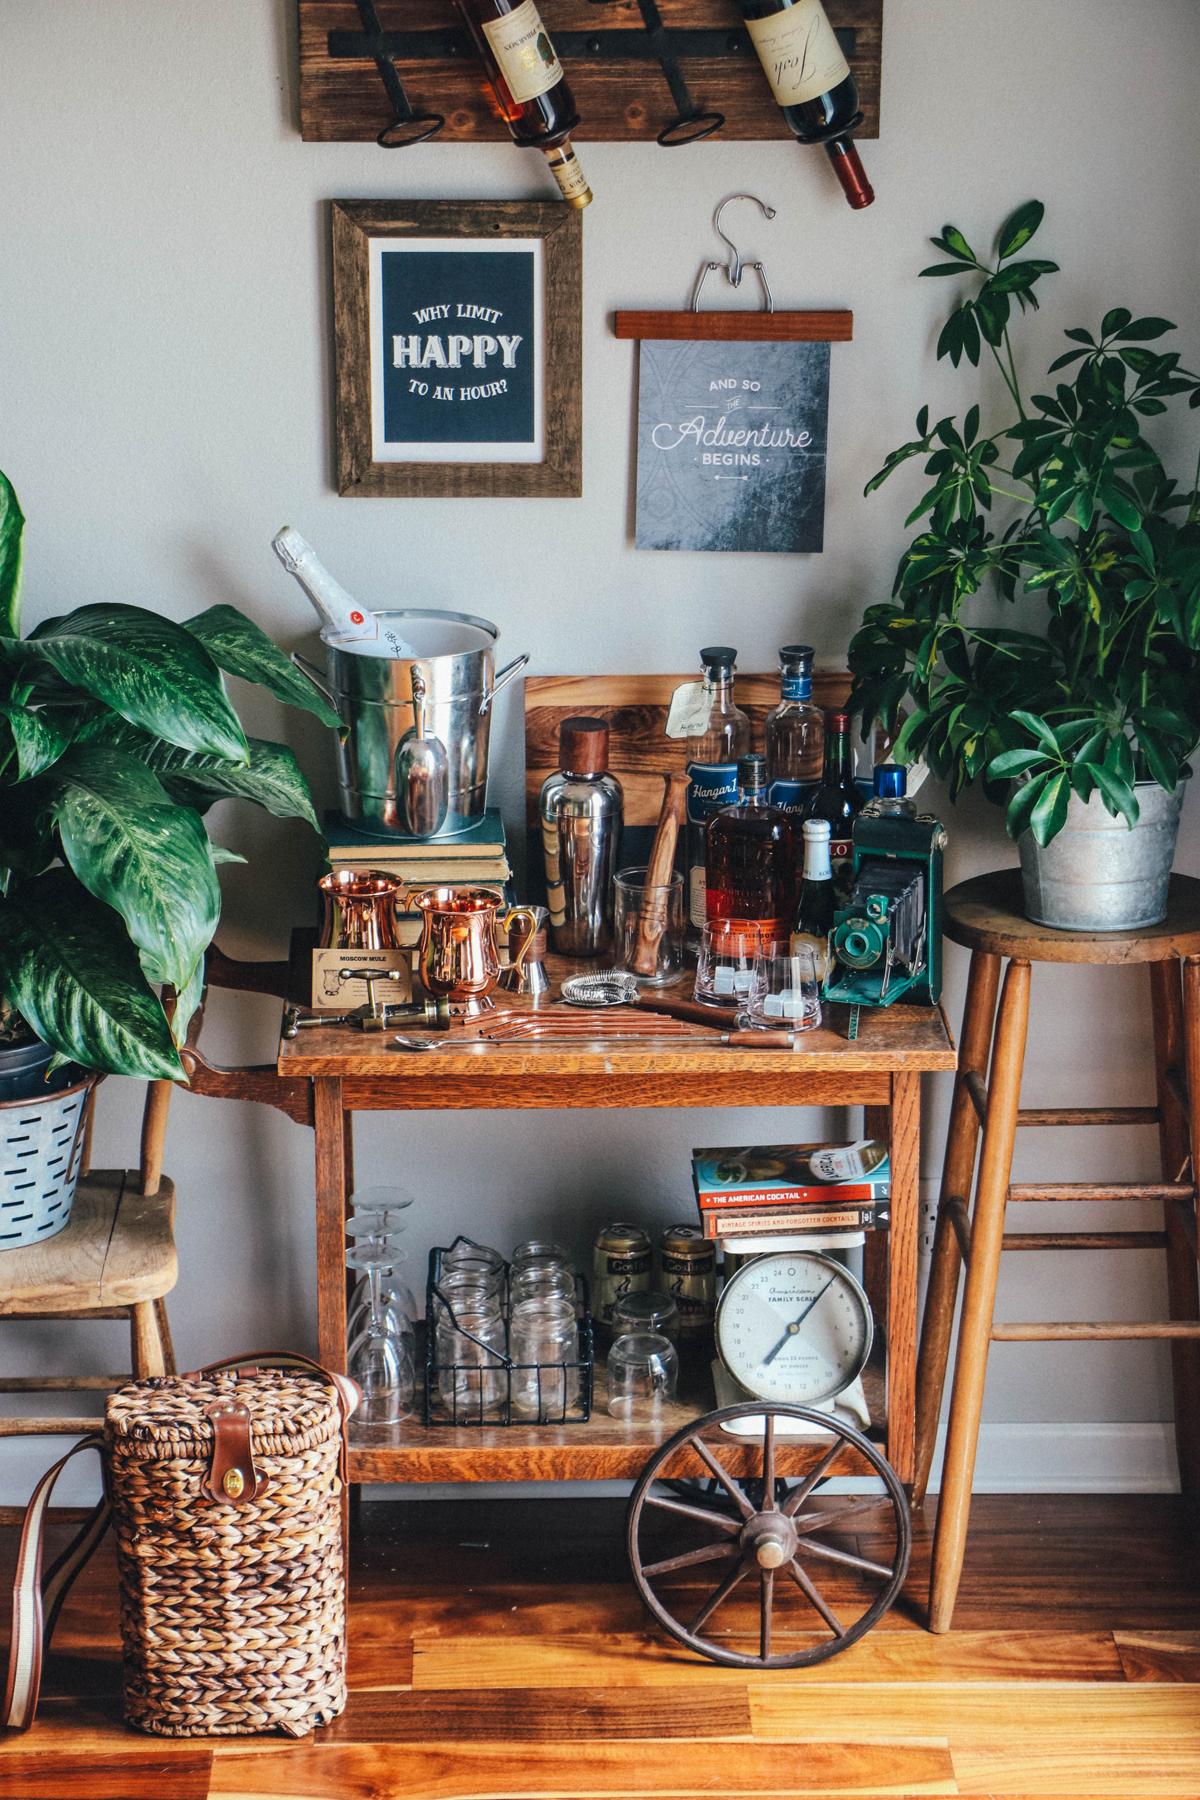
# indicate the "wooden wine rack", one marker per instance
pixel 618 82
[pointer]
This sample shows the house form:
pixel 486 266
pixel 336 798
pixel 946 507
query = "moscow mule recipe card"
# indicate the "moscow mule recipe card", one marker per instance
pixel 731 445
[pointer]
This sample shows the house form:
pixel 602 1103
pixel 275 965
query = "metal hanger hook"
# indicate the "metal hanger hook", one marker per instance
pixel 733 272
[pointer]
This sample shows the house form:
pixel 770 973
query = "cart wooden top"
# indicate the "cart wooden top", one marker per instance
pixel 691 1065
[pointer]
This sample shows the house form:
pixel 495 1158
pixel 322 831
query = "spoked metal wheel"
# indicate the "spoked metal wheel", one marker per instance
pixel 761 1539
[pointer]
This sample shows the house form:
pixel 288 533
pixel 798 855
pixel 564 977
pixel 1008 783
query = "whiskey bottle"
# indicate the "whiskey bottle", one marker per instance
pixel 836 799
pixel 530 88
pixel 712 768
pixel 815 906
pixel 751 861
pixel 795 733
pixel 890 799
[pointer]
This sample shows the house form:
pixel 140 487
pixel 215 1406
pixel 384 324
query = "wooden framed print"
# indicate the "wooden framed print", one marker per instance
pixel 457 328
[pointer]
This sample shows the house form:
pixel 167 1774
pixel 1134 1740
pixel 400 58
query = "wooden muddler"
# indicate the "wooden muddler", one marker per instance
pixel 652 921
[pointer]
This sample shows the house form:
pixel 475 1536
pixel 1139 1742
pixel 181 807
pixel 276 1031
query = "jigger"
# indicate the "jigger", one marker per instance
pixel 529 976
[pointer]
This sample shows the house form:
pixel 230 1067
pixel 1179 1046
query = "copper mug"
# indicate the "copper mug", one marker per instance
pixel 461 928
pixel 358 911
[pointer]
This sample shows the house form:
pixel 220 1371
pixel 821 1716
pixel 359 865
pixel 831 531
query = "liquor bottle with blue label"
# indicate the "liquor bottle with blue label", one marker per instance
pixel 712 768
pixel 795 733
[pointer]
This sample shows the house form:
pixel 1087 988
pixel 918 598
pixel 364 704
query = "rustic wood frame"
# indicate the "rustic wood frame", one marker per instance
pixel 560 472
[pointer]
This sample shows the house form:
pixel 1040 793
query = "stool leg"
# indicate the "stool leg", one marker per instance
pixel 164 1337
pixel 1177 1046
pixel 958 1167
pixel 975 1329
pixel 146 1344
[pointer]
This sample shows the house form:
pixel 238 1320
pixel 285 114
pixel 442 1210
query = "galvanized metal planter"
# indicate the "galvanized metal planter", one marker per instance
pixel 1099 874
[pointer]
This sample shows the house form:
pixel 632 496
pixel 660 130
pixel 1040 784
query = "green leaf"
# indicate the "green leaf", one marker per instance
pixel 1019 277
pixel 1049 814
pixel 1078 335
pixel 237 645
pixel 1114 321
pixel 1018 228
pixel 1024 799
pixel 951 268
pixel 71 972
pixel 1040 730
pixel 1119 798
pixel 1143 330
pixel 953 241
pixel 187 999
pixel 1011 763
pixel 148 669
pixel 38 741
pixel 136 850
pixel 12 526
pixel 271 778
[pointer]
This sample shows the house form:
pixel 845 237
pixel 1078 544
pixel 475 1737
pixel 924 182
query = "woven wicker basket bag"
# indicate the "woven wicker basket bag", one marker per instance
pixel 224 1489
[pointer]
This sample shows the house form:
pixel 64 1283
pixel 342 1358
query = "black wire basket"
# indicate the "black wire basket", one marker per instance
pixel 501 1391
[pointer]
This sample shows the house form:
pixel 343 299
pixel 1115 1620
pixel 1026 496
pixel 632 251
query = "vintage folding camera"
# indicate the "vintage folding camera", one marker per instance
pixel 886 943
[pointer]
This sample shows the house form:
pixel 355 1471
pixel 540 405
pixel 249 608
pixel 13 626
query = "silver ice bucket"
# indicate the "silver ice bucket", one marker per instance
pixel 374 695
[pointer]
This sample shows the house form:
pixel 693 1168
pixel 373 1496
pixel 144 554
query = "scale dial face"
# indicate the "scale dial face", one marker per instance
pixel 794 1326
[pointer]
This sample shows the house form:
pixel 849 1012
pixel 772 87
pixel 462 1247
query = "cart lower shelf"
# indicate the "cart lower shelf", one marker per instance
pixel 602 1449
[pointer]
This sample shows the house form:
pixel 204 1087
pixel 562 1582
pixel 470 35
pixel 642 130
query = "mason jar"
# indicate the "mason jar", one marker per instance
pixel 472 1370
pixel 543 1337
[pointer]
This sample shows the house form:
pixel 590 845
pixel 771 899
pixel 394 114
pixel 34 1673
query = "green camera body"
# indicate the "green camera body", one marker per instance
pixel 886 943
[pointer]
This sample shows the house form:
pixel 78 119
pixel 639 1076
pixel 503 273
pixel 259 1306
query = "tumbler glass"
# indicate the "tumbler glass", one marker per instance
pixel 786 991
pixel 543 1335
pixel 727 968
pixel 647 1311
pixel 643 1370
pixel 471 1350
pixel 648 927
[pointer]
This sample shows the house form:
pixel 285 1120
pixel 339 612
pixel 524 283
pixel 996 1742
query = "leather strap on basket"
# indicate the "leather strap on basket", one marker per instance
pixel 37 1598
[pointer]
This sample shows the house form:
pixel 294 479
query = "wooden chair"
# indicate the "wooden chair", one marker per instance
pixel 985 914
pixel 115 1260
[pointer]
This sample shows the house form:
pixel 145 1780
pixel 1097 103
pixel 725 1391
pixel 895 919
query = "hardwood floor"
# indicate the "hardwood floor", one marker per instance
pixel 498 1649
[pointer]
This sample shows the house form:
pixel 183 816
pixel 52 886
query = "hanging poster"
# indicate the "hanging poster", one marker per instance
pixel 457 347
pixel 731 445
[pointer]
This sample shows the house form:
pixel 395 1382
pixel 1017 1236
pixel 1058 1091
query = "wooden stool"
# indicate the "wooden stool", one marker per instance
pixel 115 1260
pixel 985 915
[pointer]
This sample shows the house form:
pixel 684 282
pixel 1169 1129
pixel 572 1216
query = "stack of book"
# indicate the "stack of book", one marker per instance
pixel 764 1190
pixel 476 858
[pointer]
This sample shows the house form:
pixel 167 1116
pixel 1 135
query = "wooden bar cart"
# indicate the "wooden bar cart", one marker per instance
pixel 325 1075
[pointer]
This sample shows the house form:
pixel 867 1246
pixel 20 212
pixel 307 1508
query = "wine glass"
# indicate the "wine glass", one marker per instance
pixel 379 1359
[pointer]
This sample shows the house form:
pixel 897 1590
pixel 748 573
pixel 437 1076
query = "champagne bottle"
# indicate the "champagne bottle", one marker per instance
pixel 811 80
pixel 815 907
pixel 530 88
pixel 344 619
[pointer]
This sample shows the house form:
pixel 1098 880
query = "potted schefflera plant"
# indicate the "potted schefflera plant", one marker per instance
pixel 1082 720
pixel 116 736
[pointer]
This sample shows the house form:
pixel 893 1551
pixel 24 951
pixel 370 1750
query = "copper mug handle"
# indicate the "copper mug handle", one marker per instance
pixel 514 915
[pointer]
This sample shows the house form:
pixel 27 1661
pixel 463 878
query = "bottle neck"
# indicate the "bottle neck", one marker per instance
pixel 817 866
pixel 720 686
pixel 837 759
pixel 796 687
pixel 847 166
pixel 564 166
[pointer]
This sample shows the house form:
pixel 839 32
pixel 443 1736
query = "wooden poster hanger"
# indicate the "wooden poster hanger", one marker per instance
pixel 766 326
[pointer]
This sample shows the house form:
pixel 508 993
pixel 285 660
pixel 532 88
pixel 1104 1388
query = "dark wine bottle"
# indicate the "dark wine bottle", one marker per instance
pixel 530 88
pixel 837 798
pixel 811 80
pixel 816 905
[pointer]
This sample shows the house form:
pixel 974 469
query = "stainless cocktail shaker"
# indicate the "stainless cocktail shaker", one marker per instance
pixel 581 813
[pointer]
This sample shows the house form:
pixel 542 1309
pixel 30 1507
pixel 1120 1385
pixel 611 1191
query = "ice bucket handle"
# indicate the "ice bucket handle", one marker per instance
pixel 503 678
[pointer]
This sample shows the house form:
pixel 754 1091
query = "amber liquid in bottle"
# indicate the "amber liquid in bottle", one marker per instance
pixel 712 771
pixel 530 88
pixel 751 861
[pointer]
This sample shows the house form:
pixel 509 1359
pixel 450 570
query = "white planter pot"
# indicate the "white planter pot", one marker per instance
pixel 1099 874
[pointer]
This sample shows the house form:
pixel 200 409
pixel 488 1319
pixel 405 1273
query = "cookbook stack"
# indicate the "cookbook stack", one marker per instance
pixel 774 1189
pixel 476 858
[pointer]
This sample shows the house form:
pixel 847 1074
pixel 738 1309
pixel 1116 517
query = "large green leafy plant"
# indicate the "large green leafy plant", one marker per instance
pixel 1066 501
pixel 116 735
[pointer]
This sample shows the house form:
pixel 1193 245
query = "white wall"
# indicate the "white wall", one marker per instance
pixel 165 404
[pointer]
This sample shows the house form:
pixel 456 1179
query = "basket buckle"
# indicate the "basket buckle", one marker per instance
pixel 231 1477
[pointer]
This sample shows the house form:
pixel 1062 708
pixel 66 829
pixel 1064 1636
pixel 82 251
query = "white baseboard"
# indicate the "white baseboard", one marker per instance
pixel 1013 1459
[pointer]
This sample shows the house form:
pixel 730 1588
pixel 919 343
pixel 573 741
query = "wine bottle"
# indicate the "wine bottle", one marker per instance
pixel 530 88
pixel 811 80
pixel 712 768
pixel 837 798
pixel 815 907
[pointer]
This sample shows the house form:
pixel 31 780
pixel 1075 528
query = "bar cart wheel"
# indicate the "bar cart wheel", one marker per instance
pixel 759 1526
